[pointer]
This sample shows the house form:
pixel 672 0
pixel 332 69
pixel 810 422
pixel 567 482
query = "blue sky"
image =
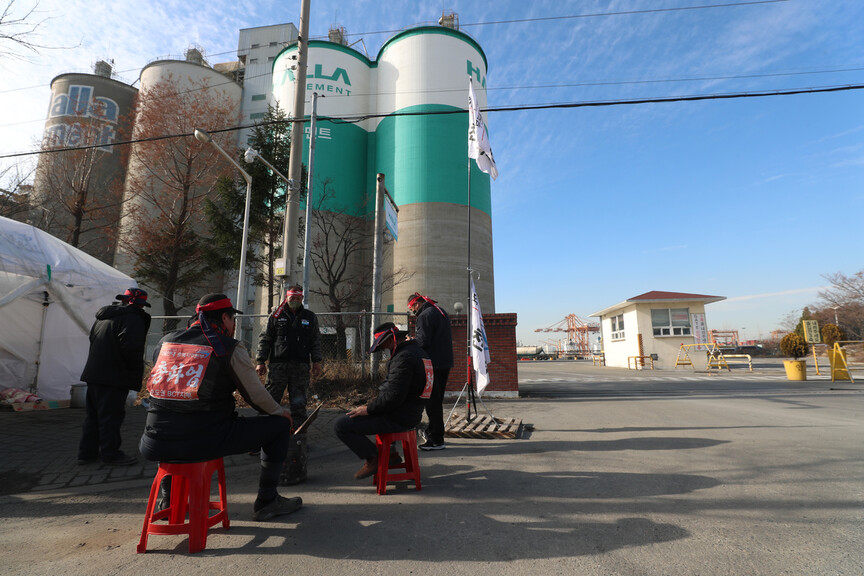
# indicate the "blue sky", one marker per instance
pixel 751 199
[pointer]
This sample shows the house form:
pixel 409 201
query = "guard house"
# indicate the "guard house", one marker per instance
pixel 652 326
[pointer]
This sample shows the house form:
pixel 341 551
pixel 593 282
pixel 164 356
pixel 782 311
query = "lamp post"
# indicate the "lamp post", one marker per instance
pixel 836 322
pixel 203 136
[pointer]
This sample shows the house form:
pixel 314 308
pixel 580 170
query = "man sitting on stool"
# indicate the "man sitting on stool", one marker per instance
pixel 400 401
pixel 192 413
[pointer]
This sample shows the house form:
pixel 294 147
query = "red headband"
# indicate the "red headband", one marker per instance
pixel 294 293
pixel 415 299
pixel 217 305
pixel 380 334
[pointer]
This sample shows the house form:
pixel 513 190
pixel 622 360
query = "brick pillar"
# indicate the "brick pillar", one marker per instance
pixel 503 364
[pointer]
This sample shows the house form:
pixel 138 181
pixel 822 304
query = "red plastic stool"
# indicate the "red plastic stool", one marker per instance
pixel 411 466
pixel 190 491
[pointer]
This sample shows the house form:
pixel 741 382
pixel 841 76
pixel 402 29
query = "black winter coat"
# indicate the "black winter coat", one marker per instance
pixel 399 395
pixel 433 334
pixel 117 341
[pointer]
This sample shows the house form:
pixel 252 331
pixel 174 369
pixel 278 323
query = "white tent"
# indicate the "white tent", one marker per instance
pixel 49 295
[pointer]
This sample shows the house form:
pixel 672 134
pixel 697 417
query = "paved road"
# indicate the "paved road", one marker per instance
pixel 634 477
pixel 580 378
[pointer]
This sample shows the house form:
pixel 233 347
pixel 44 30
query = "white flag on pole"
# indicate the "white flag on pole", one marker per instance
pixel 479 344
pixel 479 147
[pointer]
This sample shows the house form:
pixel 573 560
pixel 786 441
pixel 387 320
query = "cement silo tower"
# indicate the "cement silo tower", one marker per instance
pixel 85 110
pixel 423 155
pixel 176 96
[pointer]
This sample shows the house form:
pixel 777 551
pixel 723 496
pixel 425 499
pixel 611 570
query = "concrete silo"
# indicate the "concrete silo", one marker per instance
pixel 85 110
pixel 424 156
pixel 176 96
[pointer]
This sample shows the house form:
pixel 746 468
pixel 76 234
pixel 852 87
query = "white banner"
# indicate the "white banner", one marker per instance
pixel 479 344
pixel 479 147
pixel 700 329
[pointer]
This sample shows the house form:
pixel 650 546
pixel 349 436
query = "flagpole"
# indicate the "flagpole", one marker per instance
pixel 468 382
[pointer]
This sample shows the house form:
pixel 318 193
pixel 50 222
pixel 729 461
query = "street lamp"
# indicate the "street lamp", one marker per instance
pixel 250 156
pixel 203 136
pixel 836 323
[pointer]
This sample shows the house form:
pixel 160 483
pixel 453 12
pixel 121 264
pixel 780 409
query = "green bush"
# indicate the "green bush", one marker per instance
pixel 793 346
pixel 832 333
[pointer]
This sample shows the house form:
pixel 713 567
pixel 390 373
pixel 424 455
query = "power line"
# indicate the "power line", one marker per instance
pixel 549 106
pixel 832 70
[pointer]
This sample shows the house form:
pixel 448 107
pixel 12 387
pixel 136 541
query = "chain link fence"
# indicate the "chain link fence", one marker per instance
pixel 344 335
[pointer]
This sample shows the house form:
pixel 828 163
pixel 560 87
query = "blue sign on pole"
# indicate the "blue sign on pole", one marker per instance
pixel 391 219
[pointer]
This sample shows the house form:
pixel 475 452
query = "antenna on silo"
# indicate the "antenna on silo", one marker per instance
pixel 103 67
pixel 337 34
pixel 450 20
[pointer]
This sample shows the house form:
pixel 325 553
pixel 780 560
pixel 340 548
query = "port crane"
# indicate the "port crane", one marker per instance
pixel 579 333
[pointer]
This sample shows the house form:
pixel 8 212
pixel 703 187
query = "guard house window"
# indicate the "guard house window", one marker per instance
pixel 671 321
pixel 259 97
pixel 617 327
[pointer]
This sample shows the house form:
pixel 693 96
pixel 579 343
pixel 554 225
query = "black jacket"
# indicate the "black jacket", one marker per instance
pixel 117 341
pixel 291 336
pixel 399 395
pixel 433 334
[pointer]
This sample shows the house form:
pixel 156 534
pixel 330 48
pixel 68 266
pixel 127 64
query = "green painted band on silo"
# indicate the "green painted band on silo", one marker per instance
pixel 425 158
pixel 340 167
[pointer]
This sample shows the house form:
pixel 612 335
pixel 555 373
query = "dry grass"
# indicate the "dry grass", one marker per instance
pixel 340 385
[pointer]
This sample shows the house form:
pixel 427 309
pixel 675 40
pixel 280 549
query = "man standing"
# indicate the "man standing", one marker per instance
pixel 115 365
pixel 399 404
pixel 192 413
pixel 291 341
pixel 432 333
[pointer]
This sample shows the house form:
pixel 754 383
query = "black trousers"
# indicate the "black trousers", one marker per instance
pixel 434 406
pixel 354 431
pixel 105 411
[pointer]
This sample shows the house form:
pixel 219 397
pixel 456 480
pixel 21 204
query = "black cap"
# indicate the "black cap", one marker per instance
pixel 134 296
pixel 382 333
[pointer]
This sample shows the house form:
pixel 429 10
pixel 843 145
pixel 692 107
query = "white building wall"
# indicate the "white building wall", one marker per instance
pixel 617 351
pixel 637 320
pixel 257 49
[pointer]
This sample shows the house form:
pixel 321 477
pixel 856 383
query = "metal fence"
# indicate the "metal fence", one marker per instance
pixel 344 335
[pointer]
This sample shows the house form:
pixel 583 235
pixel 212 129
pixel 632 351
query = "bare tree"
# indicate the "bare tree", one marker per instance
pixel 171 178
pixel 16 199
pixel 79 181
pixel 340 255
pixel 19 30
pixel 845 298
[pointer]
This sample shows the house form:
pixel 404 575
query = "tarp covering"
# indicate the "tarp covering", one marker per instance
pixel 49 295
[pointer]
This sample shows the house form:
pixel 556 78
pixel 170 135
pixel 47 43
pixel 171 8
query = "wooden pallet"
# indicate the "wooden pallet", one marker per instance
pixel 482 427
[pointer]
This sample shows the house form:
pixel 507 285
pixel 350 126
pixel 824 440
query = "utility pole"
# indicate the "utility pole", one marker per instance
pixel 377 257
pixel 307 238
pixel 295 164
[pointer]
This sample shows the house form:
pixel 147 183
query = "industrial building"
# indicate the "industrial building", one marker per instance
pixel 85 109
pixel 362 131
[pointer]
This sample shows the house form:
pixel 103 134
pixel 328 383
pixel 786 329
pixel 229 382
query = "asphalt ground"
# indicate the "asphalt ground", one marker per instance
pixel 616 472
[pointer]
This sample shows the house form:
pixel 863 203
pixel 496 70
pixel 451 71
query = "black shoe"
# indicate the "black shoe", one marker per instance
pixel 279 506
pixel 84 460
pixel 430 445
pixel 120 459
